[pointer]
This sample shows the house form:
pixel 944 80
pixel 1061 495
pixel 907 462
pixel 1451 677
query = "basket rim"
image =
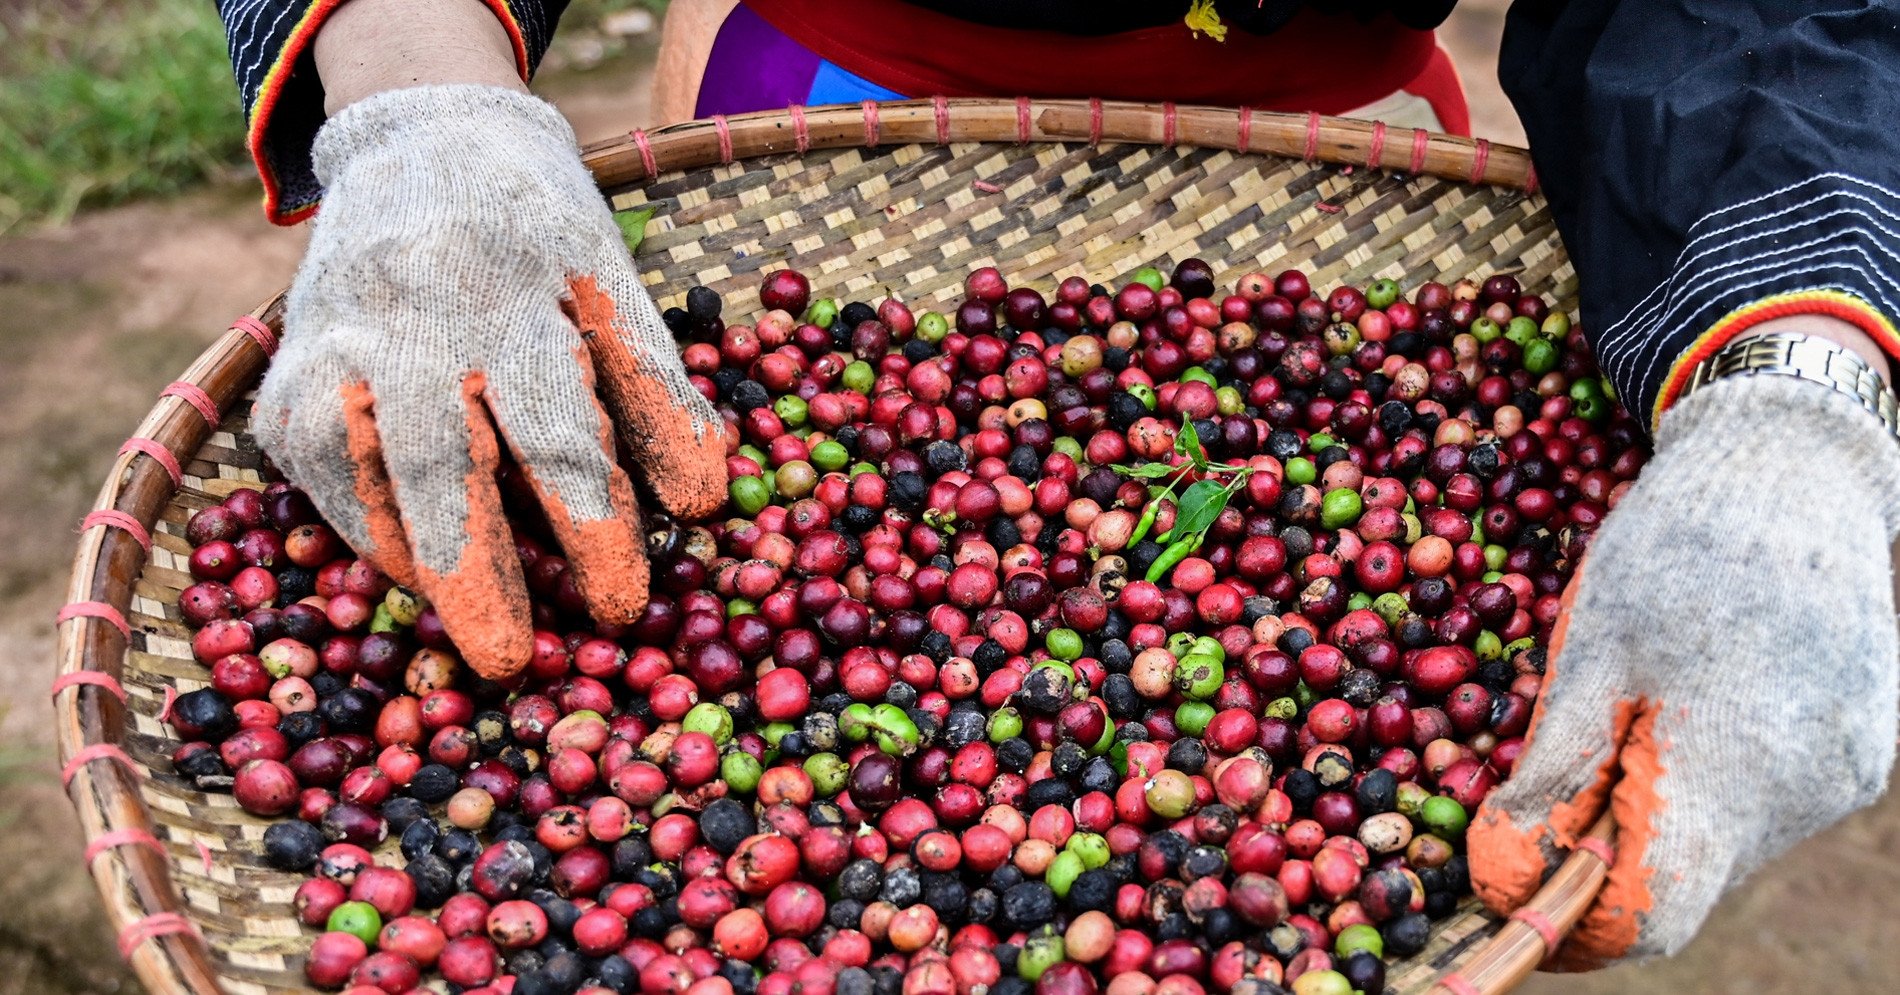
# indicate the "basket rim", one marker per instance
pixel 621 161
pixel 135 882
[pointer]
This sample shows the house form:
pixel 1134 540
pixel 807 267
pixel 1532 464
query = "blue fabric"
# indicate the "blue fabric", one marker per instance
pixel 832 85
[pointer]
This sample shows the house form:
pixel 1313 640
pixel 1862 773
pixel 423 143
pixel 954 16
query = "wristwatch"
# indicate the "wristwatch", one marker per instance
pixel 1806 357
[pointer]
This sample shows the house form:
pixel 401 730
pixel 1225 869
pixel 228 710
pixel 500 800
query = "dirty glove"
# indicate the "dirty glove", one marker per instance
pixel 1724 680
pixel 466 289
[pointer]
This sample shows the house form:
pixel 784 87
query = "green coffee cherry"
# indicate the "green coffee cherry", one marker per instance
pixel 822 312
pixel 1199 676
pixel 830 455
pixel 1041 951
pixel 859 377
pixel 749 495
pixel 1357 938
pixel 359 919
pixel 828 772
pixel 710 718
pixel 1062 872
pixel 405 606
pixel 1192 717
pixel 1005 724
pixel 740 770
pixel 1064 644
pixel 1340 508
pixel 1444 816
pixel 792 409
pixel 1091 847
pixel 1382 293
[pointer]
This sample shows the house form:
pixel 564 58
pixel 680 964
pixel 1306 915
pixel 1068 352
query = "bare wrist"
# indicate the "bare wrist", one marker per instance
pixel 370 46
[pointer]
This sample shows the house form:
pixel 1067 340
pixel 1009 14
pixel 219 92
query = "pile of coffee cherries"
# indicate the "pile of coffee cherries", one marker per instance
pixel 1128 641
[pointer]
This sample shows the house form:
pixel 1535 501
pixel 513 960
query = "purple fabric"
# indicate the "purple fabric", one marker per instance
pixel 754 66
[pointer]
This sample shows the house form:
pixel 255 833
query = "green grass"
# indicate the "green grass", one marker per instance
pixel 105 100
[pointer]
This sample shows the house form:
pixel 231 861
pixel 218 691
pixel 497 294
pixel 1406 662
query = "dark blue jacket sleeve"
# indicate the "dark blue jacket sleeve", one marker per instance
pixel 283 99
pixel 1710 162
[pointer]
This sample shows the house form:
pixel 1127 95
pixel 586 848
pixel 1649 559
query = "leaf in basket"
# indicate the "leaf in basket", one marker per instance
pixel 1201 503
pixel 1187 442
pixel 1146 471
pixel 633 226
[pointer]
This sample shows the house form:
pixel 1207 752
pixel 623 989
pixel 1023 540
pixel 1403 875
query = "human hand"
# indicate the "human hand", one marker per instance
pixel 1723 678
pixel 466 288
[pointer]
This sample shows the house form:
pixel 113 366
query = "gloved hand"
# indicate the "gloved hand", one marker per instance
pixel 465 288
pixel 1724 679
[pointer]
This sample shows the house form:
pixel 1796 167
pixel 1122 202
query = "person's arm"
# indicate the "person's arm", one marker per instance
pixel 466 299
pixel 277 57
pixel 1723 678
pixel 1703 157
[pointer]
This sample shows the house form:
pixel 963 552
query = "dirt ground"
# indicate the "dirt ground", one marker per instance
pixel 96 317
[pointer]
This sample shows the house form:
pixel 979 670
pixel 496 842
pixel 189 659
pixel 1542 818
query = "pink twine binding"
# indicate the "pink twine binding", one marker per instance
pixel 1377 151
pixel 114 518
pixel 1530 179
pixel 259 333
pixel 122 837
pixel 93 678
pixel 1022 120
pixel 940 109
pixel 157 451
pixel 1540 922
pixel 646 152
pixel 97 751
pixel 1095 120
pixel 152 927
pixel 870 123
pixel 725 138
pixel 1312 137
pixel 1167 123
pixel 1478 159
pixel 1419 139
pixel 1246 128
pixel 192 394
pixel 1457 984
pixel 94 609
pixel 801 133
pixel 1598 849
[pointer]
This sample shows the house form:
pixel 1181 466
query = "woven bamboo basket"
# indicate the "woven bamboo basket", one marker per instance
pixel 899 198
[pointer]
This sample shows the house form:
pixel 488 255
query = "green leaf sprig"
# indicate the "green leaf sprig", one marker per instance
pixel 1199 505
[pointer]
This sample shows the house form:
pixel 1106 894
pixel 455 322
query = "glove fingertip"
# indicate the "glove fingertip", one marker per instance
pixel 610 567
pixel 693 483
pixel 1507 863
pixel 494 635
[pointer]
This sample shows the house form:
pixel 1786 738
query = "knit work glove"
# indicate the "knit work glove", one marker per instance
pixel 1723 678
pixel 466 289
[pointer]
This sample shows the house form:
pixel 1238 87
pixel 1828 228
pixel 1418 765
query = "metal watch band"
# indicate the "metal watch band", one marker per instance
pixel 1812 359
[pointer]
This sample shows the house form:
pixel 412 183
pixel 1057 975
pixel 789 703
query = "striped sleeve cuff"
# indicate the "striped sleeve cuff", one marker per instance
pixel 1829 245
pixel 283 99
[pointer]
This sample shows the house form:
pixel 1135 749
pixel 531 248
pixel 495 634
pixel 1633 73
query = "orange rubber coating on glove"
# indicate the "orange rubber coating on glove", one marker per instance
pixel 389 545
pixel 682 459
pixel 608 556
pixel 1613 923
pixel 483 601
pixel 1507 865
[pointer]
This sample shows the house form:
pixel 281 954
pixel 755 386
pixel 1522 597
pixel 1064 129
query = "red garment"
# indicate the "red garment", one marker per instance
pixel 1317 62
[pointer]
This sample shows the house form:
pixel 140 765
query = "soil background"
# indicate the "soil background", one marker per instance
pixel 98 315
